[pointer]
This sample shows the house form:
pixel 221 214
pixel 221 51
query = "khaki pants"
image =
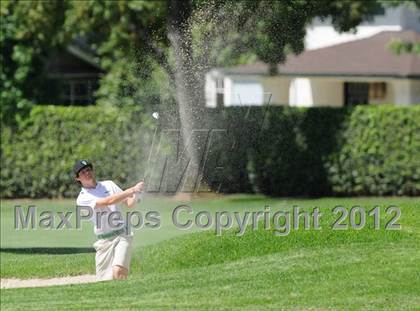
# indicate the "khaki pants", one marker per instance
pixel 115 251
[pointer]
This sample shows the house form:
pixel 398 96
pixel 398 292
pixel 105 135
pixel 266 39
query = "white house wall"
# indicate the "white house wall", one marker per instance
pixel 305 91
pixel 402 92
pixel 227 96
pixel 407 92
pixel 276 89
pixel 316 92
pixel 210 90
pixel 329 92
pixel 415 92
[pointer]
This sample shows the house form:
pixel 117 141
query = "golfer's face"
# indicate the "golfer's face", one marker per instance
pixel 86 175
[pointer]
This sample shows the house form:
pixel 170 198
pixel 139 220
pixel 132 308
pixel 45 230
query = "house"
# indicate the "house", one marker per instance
pixel 74 74
pixel 334 70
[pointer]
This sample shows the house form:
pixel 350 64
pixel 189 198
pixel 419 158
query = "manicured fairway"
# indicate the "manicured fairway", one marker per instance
pixel 322 269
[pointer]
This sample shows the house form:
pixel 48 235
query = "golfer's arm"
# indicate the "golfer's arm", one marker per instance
pixel 115 198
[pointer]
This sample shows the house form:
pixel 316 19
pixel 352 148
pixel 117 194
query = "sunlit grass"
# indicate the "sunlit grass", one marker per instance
pixel 307 269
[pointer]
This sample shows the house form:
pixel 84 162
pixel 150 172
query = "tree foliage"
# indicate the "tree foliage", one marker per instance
pixel 269 30
pixel 404 47
pixel 133 40
pixel 116 30
pixel 28 34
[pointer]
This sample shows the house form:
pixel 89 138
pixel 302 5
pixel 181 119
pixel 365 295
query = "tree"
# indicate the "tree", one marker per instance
pixel 28 34
pixel 179 39
pixel 181 36
pixel 401 46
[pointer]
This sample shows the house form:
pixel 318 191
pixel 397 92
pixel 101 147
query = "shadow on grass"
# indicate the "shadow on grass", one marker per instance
pixel 49 250
pixel 246 198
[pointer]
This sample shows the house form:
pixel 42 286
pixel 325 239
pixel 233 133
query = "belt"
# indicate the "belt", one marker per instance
pixel 110 234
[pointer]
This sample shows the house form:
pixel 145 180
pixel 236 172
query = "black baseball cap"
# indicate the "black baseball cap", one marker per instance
pixel 81 164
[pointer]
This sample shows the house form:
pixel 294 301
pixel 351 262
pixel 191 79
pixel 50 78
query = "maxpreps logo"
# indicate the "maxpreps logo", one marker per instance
pixel 174 171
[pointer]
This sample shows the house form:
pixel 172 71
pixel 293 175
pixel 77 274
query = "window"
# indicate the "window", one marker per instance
pixel 356 93
pixel 377 90
pixel 79 91
pixel 247 93
pixel 360 93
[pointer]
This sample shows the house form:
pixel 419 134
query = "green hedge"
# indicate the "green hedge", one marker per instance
pixel 292 149
pixel 278 150
pixel 379 153
pixel 373 150
pixel 38 155
pixel 367 150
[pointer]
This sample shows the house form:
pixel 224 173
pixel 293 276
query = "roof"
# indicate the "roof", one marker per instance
pixel 76 60
pixel 364 57
pixel 81 54
pixel 82 50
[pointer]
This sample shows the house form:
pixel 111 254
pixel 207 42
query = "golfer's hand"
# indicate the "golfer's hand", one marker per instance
pixel 138 187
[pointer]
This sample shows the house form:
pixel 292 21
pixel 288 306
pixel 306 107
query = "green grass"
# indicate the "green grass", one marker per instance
pixel 311 270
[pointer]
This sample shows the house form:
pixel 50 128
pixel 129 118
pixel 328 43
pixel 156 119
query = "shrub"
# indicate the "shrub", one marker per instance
pixel 367 150
pixel 379 153
pixel 284 151
pixel 38 156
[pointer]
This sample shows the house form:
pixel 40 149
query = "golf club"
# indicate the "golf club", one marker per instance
pixel 146 176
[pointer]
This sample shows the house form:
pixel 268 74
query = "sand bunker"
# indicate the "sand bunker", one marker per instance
pixel 18 283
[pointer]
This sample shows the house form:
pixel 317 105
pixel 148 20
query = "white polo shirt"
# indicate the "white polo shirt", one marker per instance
pixel 88 197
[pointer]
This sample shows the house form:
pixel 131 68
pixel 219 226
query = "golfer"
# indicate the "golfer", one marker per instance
pixel 113 247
